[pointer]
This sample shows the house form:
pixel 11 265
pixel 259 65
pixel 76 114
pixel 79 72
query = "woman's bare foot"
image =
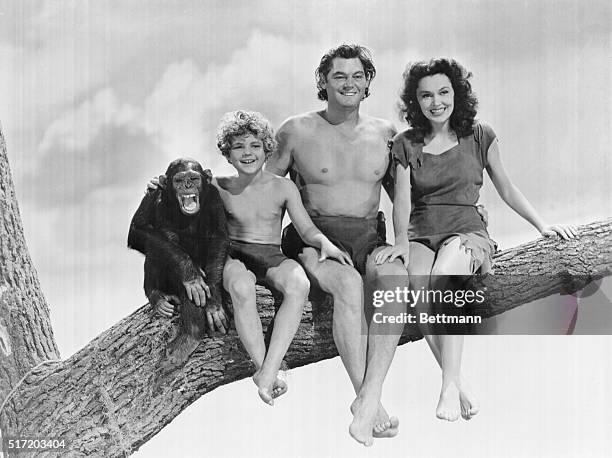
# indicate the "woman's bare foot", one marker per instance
pixel 469 403
pixel 448 405
pixel 384 426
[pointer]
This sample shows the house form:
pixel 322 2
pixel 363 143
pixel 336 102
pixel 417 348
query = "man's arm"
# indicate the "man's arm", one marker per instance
pixel 280 161
pixel 389 178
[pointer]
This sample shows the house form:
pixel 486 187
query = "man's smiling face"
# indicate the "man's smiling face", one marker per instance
pixel 346 82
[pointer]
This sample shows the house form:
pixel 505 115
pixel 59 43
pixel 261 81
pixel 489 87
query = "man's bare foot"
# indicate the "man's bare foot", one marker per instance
pixel 448 405
pixel 384 426
pixel 469 403
pixel 265 386
pixel 364 420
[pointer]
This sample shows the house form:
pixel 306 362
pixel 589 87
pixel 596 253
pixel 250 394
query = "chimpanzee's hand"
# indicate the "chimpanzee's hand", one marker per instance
pixel 197 291
pixel 216 317
pixel 165 305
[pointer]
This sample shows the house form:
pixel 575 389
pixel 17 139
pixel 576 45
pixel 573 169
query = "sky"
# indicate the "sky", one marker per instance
pixel 97 97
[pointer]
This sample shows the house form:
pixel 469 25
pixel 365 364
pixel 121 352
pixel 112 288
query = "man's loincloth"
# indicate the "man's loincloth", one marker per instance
pixel 358 237
pixel 257 257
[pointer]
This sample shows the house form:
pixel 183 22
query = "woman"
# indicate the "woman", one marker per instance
pixel 442 157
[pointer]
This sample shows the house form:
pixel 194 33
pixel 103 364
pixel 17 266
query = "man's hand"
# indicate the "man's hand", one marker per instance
pixel 391 253
pixel 331 251
pixel 566 231
pixel 164 305
pixel 484 214
pixel 216 317
pixel 197 291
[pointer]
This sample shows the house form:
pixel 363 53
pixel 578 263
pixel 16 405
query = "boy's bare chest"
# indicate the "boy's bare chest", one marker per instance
pixel 248 208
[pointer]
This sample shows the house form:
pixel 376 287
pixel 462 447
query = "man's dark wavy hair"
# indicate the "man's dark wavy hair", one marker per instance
pixel 345 52
pixel 464 111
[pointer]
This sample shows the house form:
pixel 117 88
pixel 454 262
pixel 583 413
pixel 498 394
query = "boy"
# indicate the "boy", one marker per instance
pixel 255 201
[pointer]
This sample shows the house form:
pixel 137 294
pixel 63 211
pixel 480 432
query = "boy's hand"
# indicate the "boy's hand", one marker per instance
pixel 391 253
pixel 154 184
pixel 216 317
pixel 329 250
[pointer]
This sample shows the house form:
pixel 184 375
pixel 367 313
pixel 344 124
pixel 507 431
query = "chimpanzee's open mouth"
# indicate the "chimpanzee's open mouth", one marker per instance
pixel 189 203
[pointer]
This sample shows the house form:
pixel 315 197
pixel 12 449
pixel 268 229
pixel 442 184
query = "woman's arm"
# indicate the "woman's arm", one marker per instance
pixel 515 199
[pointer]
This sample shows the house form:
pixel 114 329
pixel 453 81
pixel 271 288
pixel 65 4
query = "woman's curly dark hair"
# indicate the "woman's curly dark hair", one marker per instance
pixel 345 52
pixel 240 122
pixel 464 111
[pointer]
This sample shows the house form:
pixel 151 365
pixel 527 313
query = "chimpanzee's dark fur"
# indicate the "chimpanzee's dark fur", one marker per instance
pixel 176 247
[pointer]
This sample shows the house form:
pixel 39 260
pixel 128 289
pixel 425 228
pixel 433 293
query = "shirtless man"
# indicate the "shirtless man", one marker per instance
pixel 338 158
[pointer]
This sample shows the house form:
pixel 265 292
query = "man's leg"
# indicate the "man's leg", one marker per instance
pixel 382 342
pixel 290 279
pixel 345 285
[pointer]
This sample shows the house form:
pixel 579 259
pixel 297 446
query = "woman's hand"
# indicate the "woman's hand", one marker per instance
pixel 566 231
pixel 391 253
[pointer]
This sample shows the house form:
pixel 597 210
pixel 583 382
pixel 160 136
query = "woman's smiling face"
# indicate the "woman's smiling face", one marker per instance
pixel 436 98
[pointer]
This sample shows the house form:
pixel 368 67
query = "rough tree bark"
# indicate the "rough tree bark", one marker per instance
pixel 110 397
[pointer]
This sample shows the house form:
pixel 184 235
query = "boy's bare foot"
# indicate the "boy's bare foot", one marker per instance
pixel 448 405
pixel 469 403
pixel 280 385
pixel 265 386
pixel 384 426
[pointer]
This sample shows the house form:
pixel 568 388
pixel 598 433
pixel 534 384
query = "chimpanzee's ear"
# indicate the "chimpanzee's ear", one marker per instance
pixel 162 181
pixel 207 176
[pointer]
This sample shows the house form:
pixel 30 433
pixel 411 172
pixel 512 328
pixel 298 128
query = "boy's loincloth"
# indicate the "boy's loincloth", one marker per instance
pixel 358 237
pixel 257 257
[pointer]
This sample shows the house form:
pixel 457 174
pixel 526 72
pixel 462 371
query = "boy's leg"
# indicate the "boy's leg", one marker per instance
pixel 240 284
pixel 290 279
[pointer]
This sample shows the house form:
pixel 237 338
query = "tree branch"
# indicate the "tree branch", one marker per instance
pixel 111 397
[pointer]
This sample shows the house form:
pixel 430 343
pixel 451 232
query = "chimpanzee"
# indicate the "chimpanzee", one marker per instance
pixel 180 228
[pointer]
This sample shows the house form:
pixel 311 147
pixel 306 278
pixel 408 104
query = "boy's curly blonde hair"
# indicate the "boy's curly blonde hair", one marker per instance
pixel 241 122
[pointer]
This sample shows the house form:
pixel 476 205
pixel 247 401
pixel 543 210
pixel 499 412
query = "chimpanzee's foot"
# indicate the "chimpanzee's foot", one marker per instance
pixel 180 349
pixel 448 405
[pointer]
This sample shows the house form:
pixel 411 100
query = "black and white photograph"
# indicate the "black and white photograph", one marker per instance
pixel 327 228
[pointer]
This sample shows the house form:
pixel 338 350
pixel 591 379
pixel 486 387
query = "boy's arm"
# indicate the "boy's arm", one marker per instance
pixel 309 233
pixel 280 161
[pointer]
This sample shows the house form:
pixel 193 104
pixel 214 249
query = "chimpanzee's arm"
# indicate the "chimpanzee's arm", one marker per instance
pixel 145 237
pixel 218 242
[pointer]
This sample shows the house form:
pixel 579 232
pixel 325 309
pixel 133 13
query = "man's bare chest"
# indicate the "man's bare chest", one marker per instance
pixel 322 159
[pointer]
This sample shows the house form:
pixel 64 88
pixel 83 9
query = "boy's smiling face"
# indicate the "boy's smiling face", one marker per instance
pixel 247 154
